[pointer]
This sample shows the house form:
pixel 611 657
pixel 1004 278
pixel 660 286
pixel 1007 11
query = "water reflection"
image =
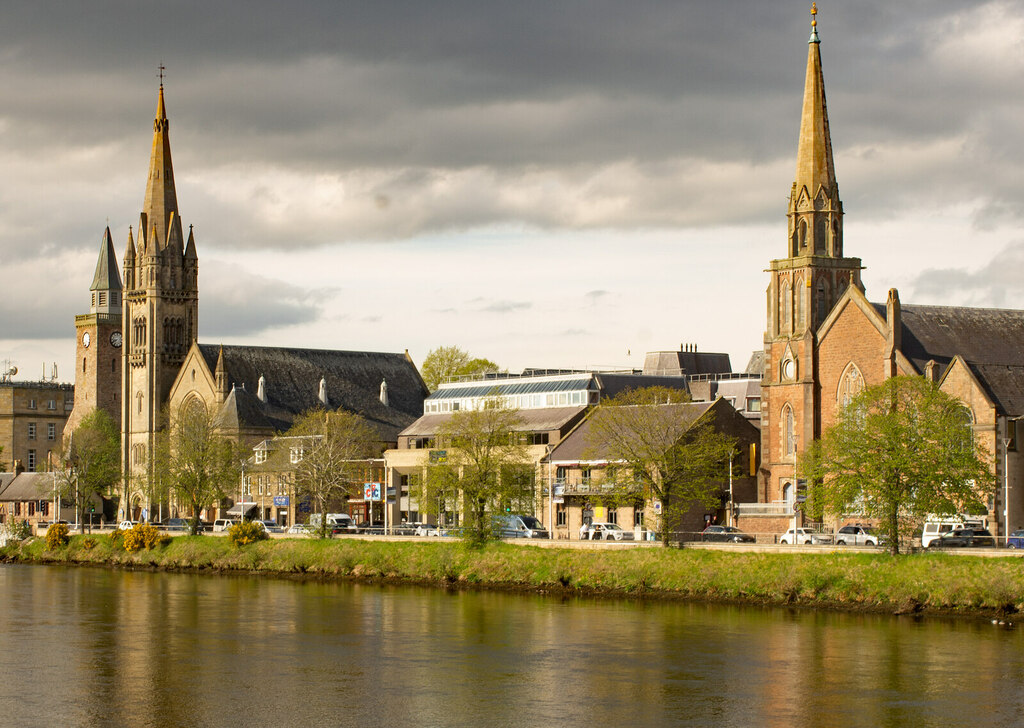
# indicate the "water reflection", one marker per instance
pixel 97 647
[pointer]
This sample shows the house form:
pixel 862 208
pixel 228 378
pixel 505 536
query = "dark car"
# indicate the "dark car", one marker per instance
pixel 368 527
pixel 176 524
pixel 726 534
pixel 965 538
pixel 1016 540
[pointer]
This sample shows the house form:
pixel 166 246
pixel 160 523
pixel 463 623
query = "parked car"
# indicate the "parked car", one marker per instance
pixel 602 531
pixel 126 525
pixel 300 528
pixel 1016 540
pixel 515 526
pixel 964 538
pixel 858 535
pixel 272 526
pixel 805 536
pixel 726 534
pixel 176 524
pixel 223 524
pixel 370 527
pixel 426 529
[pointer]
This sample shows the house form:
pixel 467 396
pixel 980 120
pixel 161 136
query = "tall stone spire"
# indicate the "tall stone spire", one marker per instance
pixel 815 209
pixel 161 200
pixel 106 282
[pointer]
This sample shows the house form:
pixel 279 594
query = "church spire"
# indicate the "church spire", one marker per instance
pixel 815 210
pixel 814 165
pixel 161 200
pixel 106 281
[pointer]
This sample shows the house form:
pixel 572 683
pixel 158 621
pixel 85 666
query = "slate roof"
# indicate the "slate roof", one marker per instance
pixel 107 276
pixel 293 377
pixel 28 487
pixel 5 480
pixel 532 420
pixel 578 446
pixel 990 340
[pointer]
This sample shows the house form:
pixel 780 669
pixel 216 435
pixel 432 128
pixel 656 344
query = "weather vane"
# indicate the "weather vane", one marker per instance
pixel 163 68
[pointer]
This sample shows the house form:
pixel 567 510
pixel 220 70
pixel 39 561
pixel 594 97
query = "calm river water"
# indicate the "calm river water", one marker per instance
pixel 90 647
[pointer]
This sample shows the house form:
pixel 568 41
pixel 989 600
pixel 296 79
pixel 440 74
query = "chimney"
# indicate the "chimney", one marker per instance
pixel 19 468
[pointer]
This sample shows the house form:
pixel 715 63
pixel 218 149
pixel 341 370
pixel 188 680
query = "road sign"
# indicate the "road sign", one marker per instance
pixel 371 491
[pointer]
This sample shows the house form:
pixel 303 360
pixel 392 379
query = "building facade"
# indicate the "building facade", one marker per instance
pixel 33 416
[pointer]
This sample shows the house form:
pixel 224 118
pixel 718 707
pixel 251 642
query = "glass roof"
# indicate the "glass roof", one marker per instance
pixel 487 389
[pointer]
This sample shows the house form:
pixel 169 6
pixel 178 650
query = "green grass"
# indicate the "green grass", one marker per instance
pixel 874 582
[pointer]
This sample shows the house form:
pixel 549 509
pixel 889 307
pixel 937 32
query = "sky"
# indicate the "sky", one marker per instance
pixel 544 184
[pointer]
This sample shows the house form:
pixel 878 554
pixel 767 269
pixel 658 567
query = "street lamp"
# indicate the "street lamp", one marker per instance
pixel 1006 489
pixel 731 506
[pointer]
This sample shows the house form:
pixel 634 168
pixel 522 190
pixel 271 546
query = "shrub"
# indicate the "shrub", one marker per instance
pixel 57 536
pixel 143 535
pixel 116 538
pixel 245 533
pixel 88 544
pixel 19 530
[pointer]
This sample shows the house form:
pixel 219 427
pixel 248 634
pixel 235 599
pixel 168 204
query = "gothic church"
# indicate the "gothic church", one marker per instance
pixel 824 341
pixel 140 359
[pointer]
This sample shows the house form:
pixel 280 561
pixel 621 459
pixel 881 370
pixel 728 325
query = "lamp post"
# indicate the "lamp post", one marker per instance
pixel 729 513
pixel 1006 489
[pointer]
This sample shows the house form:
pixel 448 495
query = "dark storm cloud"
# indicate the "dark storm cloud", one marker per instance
pixel 307 123
pixel 235 303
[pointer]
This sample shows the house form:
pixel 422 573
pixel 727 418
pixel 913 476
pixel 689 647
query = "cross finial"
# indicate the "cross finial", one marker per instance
pixel 163 68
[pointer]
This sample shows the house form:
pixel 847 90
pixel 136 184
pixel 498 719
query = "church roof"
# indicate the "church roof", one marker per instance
pixel 989 340
pixel 292 379
pixel 107 276
pixel 28 487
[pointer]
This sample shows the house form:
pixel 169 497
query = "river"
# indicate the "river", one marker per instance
pixel 93 647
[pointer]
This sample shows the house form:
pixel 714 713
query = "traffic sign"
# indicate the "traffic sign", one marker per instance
pixel 371 491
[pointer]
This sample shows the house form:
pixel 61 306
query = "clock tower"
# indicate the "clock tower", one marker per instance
pixel 98 342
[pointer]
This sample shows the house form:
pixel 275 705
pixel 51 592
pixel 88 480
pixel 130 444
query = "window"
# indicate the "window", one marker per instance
pixel 788 431
pixel 297 454
pixel 753 404
pixel 561 515
pixel 638 514
pixel 51 431
pixel 261 456
pixel 850 385
pixel 51 404
pixel 613 515
pixel 31 430
pixel 31 508
pixel 31 461
pixel 31 404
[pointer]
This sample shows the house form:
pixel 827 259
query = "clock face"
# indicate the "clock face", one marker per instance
pixel 86 339
pixel 115 339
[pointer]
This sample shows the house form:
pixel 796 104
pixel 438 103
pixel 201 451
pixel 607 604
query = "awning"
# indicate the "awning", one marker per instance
pixel 241 509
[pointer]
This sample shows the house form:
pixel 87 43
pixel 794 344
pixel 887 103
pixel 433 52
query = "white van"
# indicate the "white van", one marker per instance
pixel 935 527
pixel 223 524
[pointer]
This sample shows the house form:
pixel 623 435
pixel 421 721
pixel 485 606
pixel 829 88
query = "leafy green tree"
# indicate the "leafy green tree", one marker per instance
pixel 330 459
pixel 451 361
pixel 93 462
pixel 662 449
pixel 899 451
pixel 485 468
pixel 201 466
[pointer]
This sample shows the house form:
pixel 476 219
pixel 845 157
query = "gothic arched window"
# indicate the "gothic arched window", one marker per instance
pixel 801 305
pixel 786 308
pixel 803 234
pixel 851 382
pixel 788 431
pixel 819 236
pixel 821 306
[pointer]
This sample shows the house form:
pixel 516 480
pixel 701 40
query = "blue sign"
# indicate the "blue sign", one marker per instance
pixel 281 500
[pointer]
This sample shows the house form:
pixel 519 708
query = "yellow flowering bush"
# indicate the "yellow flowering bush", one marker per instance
pixel 57 536
pixel 143 535
pixel 246 533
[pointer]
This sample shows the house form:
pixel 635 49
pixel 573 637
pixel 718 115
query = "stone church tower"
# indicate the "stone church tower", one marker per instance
pixel 161 306
pixel 805 286
pixel 99 339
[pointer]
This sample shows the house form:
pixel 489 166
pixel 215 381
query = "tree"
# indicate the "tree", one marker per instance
pixel 451 361
pixel 200 465
pixel 662 447
pixel 93 462
pixel 331 450
pixel 485 467
pixel 899 451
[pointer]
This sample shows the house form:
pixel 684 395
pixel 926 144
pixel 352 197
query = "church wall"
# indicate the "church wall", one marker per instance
pixel 851 338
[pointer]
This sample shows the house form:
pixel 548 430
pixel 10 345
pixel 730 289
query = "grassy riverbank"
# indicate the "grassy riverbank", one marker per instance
pixel 935 583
